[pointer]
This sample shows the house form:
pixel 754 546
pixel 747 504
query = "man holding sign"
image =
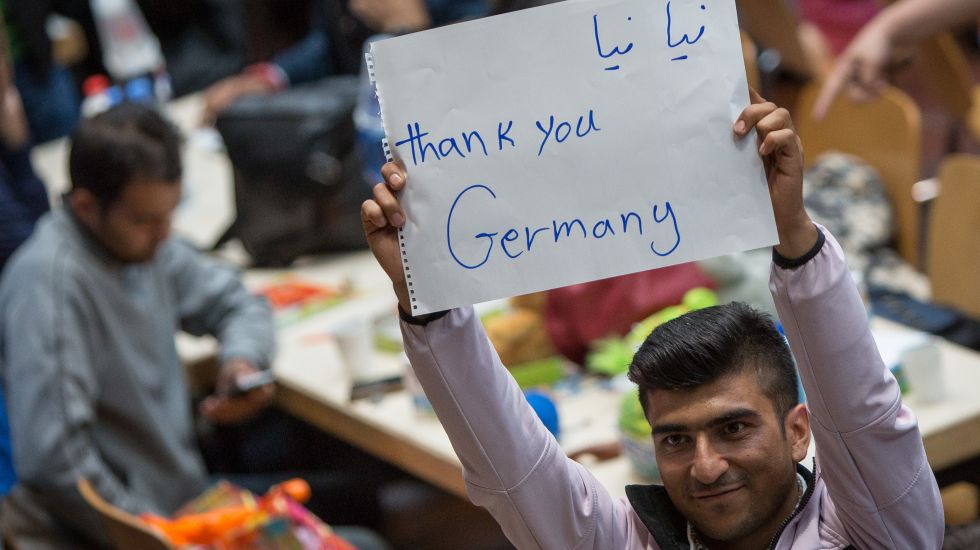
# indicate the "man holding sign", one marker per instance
pixel 718 388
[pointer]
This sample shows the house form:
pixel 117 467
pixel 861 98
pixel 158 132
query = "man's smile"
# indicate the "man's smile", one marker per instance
pixel 716 495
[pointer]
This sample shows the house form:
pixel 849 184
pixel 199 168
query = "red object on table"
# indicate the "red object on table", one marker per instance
pixel 577 315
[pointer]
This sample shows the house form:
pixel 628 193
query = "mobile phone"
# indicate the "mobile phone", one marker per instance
pixel 252 381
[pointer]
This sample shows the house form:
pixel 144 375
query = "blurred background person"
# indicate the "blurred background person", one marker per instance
pixel 94 383
pixel 88 310
pixel 48 89
pixel 23 198
pixel 202 41
pixel 333 46
pixel 863 66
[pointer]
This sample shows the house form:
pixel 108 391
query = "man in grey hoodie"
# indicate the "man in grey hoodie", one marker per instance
pixel 718 390
pixel 88 310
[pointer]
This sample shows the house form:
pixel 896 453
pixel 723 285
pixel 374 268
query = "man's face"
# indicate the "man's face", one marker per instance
pixel 725 461
pixel 134 226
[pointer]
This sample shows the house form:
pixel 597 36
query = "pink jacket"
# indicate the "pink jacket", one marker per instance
pixel 874 487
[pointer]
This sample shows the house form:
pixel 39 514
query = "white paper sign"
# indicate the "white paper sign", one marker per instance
pixel 568 143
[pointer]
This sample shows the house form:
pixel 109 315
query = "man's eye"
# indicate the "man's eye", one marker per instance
pixel 674 440
pixel 733 428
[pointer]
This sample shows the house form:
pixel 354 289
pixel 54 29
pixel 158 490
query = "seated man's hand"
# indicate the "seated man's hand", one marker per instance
pixel 381 217
pixel 224 407
pixel 782 156
pixel 223 93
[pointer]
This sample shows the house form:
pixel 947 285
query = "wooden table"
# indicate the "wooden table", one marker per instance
pixel 314 385
pixel 951 429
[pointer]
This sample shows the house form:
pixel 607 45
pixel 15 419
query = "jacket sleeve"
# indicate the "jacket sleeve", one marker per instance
pixel 211 299
pixel 512 465
pixel 52 388
pixel 445 12
pixel 308 60
pixel 869 450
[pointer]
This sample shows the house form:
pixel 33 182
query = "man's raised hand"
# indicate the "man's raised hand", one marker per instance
pixel 381 217
pixel 782 156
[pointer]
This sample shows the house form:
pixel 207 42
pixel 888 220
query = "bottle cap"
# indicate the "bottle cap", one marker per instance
pixel 95 84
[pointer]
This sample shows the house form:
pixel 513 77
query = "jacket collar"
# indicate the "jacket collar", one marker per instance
pixel 669 527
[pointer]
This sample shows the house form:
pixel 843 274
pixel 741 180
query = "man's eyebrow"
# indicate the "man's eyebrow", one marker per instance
pixel 668 428
pixel 730 416
pixel 733 415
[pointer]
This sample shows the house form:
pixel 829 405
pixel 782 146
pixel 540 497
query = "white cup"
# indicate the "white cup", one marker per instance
pixel 355 338
pixel 923 368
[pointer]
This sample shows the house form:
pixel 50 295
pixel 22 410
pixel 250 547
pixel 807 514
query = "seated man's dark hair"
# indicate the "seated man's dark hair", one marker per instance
pixel 707 344
pixel 127 143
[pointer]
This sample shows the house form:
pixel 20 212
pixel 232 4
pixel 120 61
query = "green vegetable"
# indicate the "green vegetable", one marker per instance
pixel 643 329
pixel 631 418
pixel 696 298
pixel 542 372
pixel 700 298
pixel 609 357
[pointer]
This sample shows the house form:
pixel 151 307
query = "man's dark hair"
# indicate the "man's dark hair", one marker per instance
pixel 708 344
pixel 127 143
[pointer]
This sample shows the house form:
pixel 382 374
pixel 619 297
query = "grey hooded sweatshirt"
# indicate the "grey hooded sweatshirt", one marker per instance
pixel 93 382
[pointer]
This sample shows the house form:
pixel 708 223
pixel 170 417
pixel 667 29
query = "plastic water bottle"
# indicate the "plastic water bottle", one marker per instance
pixel 130 49
pixel 100 95
pixel 368 126
pixel 140 90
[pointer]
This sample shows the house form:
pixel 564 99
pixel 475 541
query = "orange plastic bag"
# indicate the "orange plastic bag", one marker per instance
pixel 227 517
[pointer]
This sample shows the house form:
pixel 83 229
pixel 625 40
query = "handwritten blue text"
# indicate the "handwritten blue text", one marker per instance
pixel 615 51
pixel 513 242
pixel 685 38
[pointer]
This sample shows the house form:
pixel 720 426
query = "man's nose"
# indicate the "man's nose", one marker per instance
pixel 708 465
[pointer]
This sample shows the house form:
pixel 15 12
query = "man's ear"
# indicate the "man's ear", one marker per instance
pixel 85 207
pixel 797 425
